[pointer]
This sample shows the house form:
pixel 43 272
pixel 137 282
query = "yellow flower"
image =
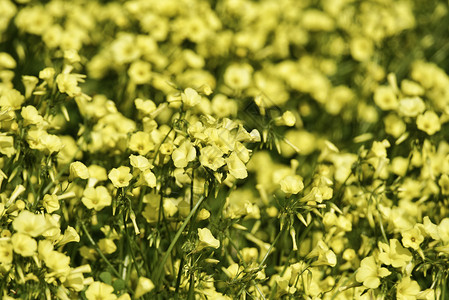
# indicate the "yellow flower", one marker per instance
pixel 238 77
pixel 144 285
pixel 7 145
pixel 6 254
pixel 30 115
pixel 68 84
pixel 120 177
pixel 23 244
pixel 394 254
pixel 429 122
pixel 141 143
pixel 107 246
pixel 140 162
pixel 211 157
pixel 78 170
pixel 59 263
pixel 28 223
pixel 326 257
pixel 236 167
pixel 184 154
pixel 407 289
pixel 385 98
pixel 190 97
pixel 412 238
pixel 206 239
pixel 11 99
pixel 96 198
pixel 139 72
pixel 149 178
pixel 369 273
pixel 292 184
pixel 51 203
pixel 411 107
pixel 100 291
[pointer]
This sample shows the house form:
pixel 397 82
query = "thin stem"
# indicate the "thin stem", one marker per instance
pixel 160 268
pixel 116 273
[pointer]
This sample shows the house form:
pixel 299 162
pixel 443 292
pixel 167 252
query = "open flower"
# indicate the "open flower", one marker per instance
pixel 120 177
pixel 369 273
pixel 394 254
pixel 96 198
pixel 407 289
pixel 211 157
pixel 184 154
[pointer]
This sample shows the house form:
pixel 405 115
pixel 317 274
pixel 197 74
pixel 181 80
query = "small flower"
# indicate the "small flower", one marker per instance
pixel 184 154
pixel 369 273
pixel 139 72
pixel 407 289
pixel 394 254
pixel 385 98
pixel 6 254
pixel 96 198
pixel 144 285
pixel 190 97
pixel 140 162
pixel 412 238
pixel 141 143
pixel 7 145
pixel 28 223
pixel 23 244
pixel 206 239
pixel 238 77
pixel 51 203
pixel 236 167
pixel 428 122
pixel 292 184
pixel 120 177
pixel 99 290
pixel 211 157
pixel 78 170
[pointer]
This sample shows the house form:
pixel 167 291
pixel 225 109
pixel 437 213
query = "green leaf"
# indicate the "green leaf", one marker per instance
pixel 106 277
pixel 119 285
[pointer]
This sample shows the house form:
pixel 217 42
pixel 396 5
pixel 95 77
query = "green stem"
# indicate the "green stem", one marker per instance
pixel 160 268
pixel 116 273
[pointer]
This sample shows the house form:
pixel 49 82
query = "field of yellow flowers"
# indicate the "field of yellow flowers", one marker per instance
pixel 224 149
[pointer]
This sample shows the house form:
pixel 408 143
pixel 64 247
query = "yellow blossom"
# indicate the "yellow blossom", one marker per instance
pixel 184 154
pixel 120 177
pixel 385 98
pixel 407 289
pixel 99 290
pixel 96 198
pixel 412 238
pixel 292 184
pixel 211 157
pixel 429 122
pixel 23 244
pixel 31 224
pixel 144 285
pixel 78 170
pixel 141 143
pixel 394 254
pixel 206 239
pixel 369 273
pixel 51 203
pixel 236 167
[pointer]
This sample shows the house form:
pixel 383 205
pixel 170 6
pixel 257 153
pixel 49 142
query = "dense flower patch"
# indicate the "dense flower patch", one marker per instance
pixel 228 149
